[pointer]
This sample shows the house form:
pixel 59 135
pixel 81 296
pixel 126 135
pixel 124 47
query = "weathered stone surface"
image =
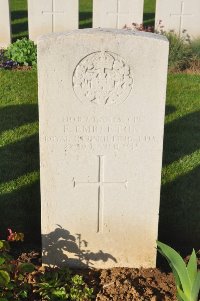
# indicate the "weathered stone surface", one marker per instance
pixel 48 16
pixel 101 103
pixel 5 29
pixel 181 16
pixel 117 13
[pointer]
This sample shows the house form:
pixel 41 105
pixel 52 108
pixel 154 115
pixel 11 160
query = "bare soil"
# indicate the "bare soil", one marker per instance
pixel 124 284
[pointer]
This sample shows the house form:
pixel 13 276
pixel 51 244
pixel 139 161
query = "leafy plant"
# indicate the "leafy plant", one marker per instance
pixel 13 284
pixel 187 277
pixel 5 63
pixel 195 46
pixel 23 51
pixel 180 52
pixel 61 285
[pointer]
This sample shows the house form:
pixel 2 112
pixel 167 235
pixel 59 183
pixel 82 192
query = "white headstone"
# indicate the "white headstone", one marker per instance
pixel 101 103
pixel 5 28
pixel 49 16
pixel 180 16
pixel 117 13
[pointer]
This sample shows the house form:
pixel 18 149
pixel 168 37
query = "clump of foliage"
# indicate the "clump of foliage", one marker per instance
pixel 195 47
pixel 13 281
pixel 187 277
pixel 23 281
pixel 23 51
pixel 184 53
pixel 180 52
pixel 61 285
pixel 5 63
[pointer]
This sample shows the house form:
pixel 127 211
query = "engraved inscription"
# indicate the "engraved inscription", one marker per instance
pixel 99 134
pixel 100 183
pixel 102 78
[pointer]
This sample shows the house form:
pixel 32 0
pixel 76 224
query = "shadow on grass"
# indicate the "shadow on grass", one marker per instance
pixel 59 244
pixel 17 115
pixel 20 211
pixel 85 20
pixel 179 223
pixel 169 110
pixel 20 205
pixel 19 159
pixel 149 19
pixel 181 137
pixel 17 28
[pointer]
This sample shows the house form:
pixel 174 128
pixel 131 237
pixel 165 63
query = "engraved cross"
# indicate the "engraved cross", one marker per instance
pixel 53 13
pixel 118 14
pixel 100 184
pixel 181 16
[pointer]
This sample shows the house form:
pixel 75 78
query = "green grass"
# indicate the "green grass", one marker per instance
pixel 149 12
pixel 19 16
pixel 180 193
pixel 19 153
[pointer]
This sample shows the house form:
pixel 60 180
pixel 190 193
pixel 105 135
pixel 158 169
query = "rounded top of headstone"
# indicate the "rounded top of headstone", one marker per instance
pixel 105 31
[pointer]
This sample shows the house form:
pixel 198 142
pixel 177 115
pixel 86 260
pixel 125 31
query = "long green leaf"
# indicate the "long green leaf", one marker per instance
pixel 177 279
pixel 182 296
pixel 192 267
pixel 196 288
pixel 179 265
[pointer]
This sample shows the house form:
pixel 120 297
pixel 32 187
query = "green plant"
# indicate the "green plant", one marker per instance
pixel 180 52
pixel 61 285
pixel 187 277
pixel 13 282
pixel 195 46
pixel 23 51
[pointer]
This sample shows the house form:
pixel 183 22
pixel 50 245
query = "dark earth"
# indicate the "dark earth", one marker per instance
pixel 125 284
pixel 120 284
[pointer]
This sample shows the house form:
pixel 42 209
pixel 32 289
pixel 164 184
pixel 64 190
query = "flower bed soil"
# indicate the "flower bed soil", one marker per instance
pixel 123 284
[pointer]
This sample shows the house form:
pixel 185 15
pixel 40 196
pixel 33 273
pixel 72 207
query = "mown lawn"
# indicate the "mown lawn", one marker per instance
pixel 19 149
pixel 180 193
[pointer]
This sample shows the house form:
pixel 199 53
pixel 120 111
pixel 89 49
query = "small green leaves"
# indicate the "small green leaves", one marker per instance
pixel 4 278
pixel 2 260
pixel 4 245
pixel 60 285
pixel 187 277
pixel 26 268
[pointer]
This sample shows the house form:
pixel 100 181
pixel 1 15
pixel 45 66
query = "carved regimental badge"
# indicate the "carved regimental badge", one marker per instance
pixel 102 78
